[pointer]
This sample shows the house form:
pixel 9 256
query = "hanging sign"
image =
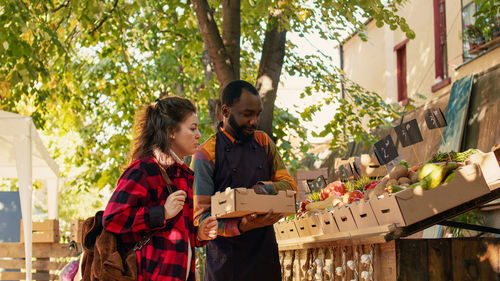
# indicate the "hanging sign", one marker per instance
pixel 345 171
pixel 434 118
pixel 385 150
pixel 316 184
pixel 409 133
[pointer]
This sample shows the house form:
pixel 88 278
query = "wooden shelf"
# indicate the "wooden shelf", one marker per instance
pixel 383 233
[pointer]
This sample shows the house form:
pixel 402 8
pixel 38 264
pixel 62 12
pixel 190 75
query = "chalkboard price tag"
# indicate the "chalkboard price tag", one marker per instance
pixel 434 118
pixel 409 133
pixel 385 150
pixel 345 171
pixel 316 184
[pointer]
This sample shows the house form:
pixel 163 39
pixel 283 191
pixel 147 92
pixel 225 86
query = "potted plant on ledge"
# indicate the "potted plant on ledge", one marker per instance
pixel 472 35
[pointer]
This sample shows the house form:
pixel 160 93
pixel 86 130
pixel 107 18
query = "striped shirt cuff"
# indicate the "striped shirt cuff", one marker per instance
pixel 229 228
pixel 269 186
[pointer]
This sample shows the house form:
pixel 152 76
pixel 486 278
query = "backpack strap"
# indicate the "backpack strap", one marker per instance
pixel 165 177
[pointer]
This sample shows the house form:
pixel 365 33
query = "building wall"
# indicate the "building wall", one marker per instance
pixel 364 62
pixel 372 64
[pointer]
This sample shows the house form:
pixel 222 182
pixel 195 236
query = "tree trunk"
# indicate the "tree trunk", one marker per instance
pixel 231 32
pixel 215 46
pixel 268 77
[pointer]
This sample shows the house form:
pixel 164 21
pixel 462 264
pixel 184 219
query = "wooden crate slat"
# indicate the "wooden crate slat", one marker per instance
pixel 412 257
pixel 439 251
pixel 40 250
pixel 44 231
pixel 475 259
pixel 22 276
pixel 36 265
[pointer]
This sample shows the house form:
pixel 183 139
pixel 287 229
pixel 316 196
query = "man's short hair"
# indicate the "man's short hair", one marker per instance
pixel 232 91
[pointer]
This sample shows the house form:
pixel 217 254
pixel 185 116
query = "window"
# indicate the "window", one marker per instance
pixel 468 11
pixel 440 49
pixel 400 50
pixel 441 58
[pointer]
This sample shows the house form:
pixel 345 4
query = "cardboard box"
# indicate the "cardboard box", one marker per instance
pixel 489 167
pixel 303 225
pixel 277 232
pixel 368 166
pixel 239 202
pixel 363 214
pixel 286 230
pixel 343 217
pixel 325 221
pixel 415 204
pixel 46 231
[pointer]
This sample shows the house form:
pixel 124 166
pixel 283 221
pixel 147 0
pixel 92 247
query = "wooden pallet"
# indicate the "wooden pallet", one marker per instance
pixel 48 260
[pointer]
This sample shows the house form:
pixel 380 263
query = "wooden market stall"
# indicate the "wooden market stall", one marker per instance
pixel 375 238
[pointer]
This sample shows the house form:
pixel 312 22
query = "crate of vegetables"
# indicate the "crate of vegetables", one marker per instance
pixel 286 230
pixel 343 217
pixel 363 214
pixel 440 187
pixel 325 222
pixel 304 225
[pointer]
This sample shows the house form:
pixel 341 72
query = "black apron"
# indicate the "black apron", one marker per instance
pixel 252 256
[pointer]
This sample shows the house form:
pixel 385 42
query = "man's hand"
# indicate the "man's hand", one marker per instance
pixel 253 221
pixel 260 189
pixel 207 229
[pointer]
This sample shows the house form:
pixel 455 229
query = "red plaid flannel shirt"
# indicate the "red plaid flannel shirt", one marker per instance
pixel 136 208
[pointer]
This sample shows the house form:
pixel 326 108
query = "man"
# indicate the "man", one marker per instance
pixel 240 156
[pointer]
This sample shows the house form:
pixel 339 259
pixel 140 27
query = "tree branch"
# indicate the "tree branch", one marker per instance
pixel 211 37
pixel 104 18
pixel 63 4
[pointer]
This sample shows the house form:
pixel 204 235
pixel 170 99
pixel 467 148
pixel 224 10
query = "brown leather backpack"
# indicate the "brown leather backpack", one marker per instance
pixel 102 259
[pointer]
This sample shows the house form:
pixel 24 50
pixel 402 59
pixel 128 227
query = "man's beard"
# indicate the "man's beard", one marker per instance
pixel 238 130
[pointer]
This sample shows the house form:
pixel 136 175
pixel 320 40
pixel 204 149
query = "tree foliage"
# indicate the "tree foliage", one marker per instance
pixel 81 69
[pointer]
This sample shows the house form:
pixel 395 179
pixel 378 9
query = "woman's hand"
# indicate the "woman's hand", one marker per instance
pixel 207 229
pixel 174 204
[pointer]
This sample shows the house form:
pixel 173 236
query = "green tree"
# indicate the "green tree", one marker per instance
pixel 82 68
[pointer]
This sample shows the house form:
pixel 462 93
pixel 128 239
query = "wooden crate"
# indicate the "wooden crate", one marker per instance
pixel 76 230
pixel 48 260
pixel 405 259
pixel 46 231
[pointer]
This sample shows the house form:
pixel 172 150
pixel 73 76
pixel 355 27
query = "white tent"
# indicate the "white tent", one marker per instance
pixel 23 156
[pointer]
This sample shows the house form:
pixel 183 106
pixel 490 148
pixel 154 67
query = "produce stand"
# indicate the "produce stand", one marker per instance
pixel 392 256
pixel 375 235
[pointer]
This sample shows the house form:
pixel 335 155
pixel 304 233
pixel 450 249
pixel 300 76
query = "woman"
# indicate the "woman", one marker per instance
pixel 166 131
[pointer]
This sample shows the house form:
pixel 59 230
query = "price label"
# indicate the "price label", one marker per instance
pixel 345 171
pixel 434 118
pixel 409 133
pixel 316 184
pixel 385 150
